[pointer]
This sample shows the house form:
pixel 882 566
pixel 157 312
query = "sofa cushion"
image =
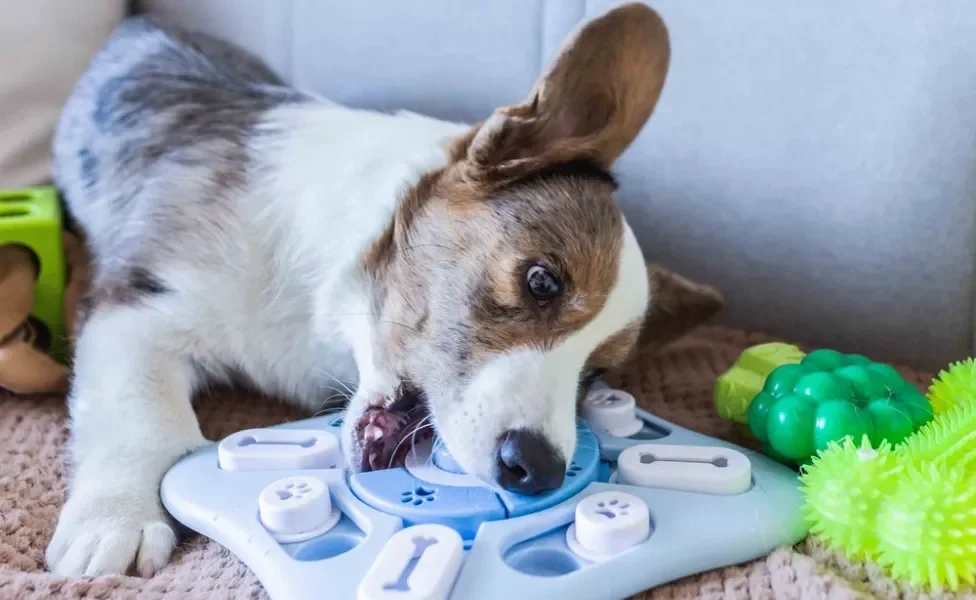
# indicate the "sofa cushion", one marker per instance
pixel 44 47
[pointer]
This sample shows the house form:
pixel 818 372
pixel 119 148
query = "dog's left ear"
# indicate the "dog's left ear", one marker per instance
pixel 590 104
pixel 677 306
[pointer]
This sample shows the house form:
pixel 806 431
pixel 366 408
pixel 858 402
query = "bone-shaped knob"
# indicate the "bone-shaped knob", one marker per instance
pixel 279 449
pixel 702 469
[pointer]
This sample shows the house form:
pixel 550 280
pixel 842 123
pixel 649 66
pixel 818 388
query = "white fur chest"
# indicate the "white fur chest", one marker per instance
pixel 291 302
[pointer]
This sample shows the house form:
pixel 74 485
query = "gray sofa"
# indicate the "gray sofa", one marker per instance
pixel 815 160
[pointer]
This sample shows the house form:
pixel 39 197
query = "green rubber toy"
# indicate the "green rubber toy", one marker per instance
pixel 31 217
pixel 806 402
pixel 912 508
pixel 736 388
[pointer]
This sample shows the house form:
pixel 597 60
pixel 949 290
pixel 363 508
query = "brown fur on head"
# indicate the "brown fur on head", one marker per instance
pixel 457 273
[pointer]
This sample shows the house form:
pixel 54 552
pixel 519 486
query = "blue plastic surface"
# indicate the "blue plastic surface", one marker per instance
pixel 465 505
pixel 397 492
pixel 519 544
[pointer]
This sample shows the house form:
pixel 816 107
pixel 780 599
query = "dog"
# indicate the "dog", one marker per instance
pixel 464 280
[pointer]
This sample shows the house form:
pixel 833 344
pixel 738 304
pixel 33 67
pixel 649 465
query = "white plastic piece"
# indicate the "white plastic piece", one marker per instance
pixel 418 563
pixel 298 508
pixel 279 449
pixel 614 411
pixel 607 524
pixel 702 469
pixel 420 464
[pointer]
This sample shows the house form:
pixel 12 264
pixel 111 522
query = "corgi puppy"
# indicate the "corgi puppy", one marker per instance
pixel 461 280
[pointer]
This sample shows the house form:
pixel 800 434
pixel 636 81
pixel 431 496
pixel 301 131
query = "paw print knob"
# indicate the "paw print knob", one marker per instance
pixel 296 508
pixel 608 523
pixel 613 411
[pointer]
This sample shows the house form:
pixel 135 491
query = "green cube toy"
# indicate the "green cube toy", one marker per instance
pixel 31 217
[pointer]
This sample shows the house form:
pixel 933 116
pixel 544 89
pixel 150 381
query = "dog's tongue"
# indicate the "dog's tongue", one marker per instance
pixel 377 429
pixel 382 433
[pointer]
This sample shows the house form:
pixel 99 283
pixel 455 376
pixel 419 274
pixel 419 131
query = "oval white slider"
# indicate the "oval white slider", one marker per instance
pixel 703 469
pixel 279 449
pixel 417 563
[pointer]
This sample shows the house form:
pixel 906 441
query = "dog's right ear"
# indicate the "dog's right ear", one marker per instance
pixel 590 104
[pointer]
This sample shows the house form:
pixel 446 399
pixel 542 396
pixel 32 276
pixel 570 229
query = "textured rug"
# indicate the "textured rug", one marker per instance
pixel 676 384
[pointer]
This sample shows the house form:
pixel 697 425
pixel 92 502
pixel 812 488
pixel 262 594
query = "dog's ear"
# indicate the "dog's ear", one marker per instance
pixel 677 306
pixel 590 104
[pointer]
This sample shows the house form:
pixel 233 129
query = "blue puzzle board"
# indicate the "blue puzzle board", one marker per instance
pixel 513 546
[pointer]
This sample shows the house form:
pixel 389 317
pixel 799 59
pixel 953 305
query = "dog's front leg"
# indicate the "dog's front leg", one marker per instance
pixel 131 419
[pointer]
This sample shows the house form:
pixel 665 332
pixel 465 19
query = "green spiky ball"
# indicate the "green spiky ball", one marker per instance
pixel 927 531
pixel 845 486
pixel 913 509
pixel 954 386
pixel 947 441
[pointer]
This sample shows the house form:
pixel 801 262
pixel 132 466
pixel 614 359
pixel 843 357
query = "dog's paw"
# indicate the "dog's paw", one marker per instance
pixel 107 534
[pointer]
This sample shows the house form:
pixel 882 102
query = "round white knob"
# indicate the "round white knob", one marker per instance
pixel 608 523
pixel 297 508
pixel 613 411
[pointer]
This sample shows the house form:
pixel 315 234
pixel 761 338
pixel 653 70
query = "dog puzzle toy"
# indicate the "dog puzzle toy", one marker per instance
pixel 808 401
pixel 911 507
pixel 643 502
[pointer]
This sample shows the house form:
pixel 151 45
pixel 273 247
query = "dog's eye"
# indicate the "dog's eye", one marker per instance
pixel 542 284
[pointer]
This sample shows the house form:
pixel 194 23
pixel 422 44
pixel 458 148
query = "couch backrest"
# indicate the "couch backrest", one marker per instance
pixel 816 160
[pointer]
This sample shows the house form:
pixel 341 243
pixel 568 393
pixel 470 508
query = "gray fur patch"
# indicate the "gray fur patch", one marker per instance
pixel 152 146
pixel 144 282
pixel 89 167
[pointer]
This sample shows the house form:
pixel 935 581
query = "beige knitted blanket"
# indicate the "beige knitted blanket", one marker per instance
pixel 676 384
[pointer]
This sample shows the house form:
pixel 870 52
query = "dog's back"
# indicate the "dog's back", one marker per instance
pixel 161 117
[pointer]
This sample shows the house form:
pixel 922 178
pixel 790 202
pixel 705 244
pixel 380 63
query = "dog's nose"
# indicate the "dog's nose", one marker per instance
pixel 528 463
